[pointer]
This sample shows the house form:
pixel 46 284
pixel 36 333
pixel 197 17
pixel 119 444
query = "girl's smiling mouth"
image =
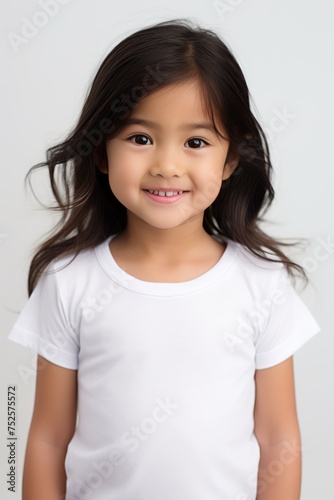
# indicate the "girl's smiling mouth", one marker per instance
pixel 161 196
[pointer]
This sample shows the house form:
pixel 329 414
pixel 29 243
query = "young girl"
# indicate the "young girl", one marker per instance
pixel 164 318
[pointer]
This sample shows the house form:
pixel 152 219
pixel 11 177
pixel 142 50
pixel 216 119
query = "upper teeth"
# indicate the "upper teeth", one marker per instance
pixel 163 193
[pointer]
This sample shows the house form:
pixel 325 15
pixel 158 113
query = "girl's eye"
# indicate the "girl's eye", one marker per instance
pixel 197 141
pixel 139 135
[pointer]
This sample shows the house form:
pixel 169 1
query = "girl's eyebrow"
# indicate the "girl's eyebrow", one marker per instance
pixel 184 126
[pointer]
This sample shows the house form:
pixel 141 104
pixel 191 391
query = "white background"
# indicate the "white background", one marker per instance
pixel 285 50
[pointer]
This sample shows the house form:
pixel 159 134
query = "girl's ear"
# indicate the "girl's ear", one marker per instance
pixel 229 168
pixel 101 159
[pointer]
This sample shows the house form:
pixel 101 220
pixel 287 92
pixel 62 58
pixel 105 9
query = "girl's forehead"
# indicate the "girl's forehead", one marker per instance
pixel 189 89
pixel 181 103
pixel 174 100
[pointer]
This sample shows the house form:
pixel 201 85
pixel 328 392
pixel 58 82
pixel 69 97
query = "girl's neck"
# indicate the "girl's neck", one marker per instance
pixel 187 241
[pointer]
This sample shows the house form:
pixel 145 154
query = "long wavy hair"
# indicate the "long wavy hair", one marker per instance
pixel 168 52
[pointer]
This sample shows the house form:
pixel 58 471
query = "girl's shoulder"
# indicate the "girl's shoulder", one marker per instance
pixel 253 262
pixel 72 263
pixel 69 279
pixel 256 270
pixel 74 269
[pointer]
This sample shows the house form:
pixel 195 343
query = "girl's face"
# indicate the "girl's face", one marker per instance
pixel 168 153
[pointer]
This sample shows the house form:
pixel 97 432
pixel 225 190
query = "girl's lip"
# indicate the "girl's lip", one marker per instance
pixel 164 199
pixel 166 189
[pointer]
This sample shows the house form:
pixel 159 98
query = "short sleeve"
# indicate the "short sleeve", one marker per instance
pixel 43 326
pixel 289 325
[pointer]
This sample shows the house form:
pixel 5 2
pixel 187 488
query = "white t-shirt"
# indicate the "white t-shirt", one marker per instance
pixel 165 371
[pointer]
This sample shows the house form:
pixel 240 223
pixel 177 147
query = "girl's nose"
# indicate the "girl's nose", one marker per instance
pixel 167 162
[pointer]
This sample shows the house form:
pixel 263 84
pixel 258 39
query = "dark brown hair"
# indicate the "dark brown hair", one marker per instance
pixel 147 60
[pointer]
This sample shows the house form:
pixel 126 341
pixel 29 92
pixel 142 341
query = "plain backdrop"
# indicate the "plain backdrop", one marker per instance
pixel 285 50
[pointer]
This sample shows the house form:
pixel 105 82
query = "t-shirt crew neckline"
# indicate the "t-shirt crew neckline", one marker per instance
pixel 114 271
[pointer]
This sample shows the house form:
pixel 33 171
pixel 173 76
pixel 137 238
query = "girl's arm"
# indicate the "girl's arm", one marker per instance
pixel 277 431
pixel 52 426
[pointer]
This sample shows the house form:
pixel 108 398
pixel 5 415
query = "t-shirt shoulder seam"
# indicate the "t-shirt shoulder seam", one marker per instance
pixel 285 350
pixel 29 339
pixel 61 297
